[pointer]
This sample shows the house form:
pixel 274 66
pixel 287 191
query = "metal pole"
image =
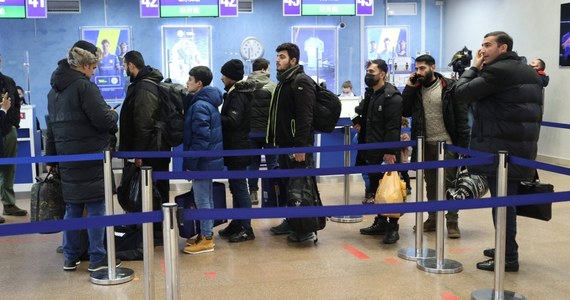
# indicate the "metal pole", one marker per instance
pixel 438 264
pixel 170 233
pixel 346 219
pixel 148 236
pixel 418 252
pixel 498 292
pixel 110 275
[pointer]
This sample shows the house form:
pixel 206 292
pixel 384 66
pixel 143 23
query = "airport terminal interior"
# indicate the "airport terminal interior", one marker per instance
pixel 343 264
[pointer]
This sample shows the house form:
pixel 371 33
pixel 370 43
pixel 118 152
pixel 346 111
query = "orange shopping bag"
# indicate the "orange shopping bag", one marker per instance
pixel 390 191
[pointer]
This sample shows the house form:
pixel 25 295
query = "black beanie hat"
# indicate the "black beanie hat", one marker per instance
pixel 85 45
pixel 233 69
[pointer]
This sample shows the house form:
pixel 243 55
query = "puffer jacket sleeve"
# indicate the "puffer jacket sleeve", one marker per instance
pixel 99 113
pixel 472 86
pixel 304 95
pixel 236 110
pixel 409 96
pixel 199 137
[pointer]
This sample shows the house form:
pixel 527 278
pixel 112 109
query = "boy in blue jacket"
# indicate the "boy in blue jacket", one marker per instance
pixel 202 132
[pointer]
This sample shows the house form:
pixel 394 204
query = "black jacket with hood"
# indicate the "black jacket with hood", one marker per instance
pixel 236 117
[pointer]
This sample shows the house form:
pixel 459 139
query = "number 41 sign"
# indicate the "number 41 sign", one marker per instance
pixel 36 9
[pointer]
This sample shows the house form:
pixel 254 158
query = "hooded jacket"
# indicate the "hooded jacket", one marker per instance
pixel 79 122
pixel 140 113
pixel 291 110
pixel 236 116
pixel 203 129
pixel 508 97
pixel 264 89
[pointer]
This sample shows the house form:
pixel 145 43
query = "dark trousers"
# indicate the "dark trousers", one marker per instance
pixel 430 176
pixel 511 248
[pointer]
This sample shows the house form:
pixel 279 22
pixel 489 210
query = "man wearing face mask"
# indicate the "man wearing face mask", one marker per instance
pixel 380 121
pixel 428 99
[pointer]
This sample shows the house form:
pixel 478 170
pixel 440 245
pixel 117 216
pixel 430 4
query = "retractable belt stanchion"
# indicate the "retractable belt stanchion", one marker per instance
pixel 417 252
pixel 148 234
pixel 110 275
pixel 439 265
pixel 346 219
pixel 498 292
pixel 170 233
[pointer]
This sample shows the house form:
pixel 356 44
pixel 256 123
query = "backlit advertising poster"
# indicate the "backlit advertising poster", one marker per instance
pixel 184 47
pixel 110 74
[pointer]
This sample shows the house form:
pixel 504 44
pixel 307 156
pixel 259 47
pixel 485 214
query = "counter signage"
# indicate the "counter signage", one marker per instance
pixel 328 8
pixel 364 7
pixel 291 7
pixel 228 8
pixel 149 9
pixel 36 9
pixel 13 9
pixel 181 9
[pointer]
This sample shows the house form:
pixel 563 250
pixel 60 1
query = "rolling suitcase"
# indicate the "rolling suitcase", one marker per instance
pixel 273 192
pixel 189 228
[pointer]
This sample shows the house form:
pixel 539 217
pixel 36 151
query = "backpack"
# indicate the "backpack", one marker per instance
pixel 326 110
pixel 170 128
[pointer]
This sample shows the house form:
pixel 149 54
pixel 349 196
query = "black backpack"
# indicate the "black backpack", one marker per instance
pixel 326 110
pixel 170 128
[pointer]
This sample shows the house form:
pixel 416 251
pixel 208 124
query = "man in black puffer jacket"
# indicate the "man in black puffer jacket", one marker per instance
pixel 236 115
pixel 508 97
pixel 79 123
pixel 428 99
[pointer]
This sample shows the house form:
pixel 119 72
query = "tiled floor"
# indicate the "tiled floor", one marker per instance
pixel 343 265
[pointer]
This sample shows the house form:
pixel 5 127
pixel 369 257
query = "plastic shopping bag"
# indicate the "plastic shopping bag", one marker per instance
pixel 390 191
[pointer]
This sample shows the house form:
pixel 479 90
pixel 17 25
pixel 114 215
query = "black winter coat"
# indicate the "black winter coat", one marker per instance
pixel 140 113
pixel 236 116
pixel 291 110
pixel 382 112
pixel 79 123
pixel 13 114
pixel 264 88
pixel 454 112
pixel 508 97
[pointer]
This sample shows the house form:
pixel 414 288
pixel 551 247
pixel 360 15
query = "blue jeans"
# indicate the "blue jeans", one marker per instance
pixel 240 196
pixel 72 239
pixel 270 160
pixel 204 198
pixel 511 246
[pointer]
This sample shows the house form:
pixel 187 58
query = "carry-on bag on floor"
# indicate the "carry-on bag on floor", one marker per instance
pixel 46 199
pixel 189 228
pixel 273 192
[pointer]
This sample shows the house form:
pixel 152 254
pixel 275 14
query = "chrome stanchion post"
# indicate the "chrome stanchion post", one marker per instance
pixel 498 292
pixel 170 233
pixel 418 252
pixel 148 235
pixel 439 265
pixel 110 275
pixel 346 219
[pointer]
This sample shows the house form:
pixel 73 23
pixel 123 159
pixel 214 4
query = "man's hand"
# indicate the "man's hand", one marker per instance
pixel 51 169
pixel 413 80
pixel 389 158
pixel 6 102
pixel 478 61
pixel 357 127
pixel 299 157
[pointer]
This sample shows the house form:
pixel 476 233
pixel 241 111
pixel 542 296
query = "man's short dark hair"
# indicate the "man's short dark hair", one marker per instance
pixel 347 84
pixel 427 59
pixel 135 58
pixel 502 39
pixel 260 64
pixel 380 63
pixel 292 50
pixel 541 64
pixel 201 73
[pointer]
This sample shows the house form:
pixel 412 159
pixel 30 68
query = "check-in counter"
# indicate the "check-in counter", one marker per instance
pixel 29 144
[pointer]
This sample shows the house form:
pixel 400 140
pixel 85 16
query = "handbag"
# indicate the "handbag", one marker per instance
pixel 467 185
pixel 46 199
pixel 390 191
pixel 536 211
pixel 129 193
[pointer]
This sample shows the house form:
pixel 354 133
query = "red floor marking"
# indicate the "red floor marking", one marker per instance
pixel 355 252
pixel 392 260
pixel 460 250
pixel 210 275
pixel 449 296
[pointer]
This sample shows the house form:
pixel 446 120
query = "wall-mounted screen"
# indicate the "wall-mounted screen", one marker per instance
pixel 110 75
pixel 13 9
pixel 328 7
pixel 564 35
pixel 178 9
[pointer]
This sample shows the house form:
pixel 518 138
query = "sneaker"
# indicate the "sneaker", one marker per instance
pixel 2 220
pixel 202 245
pixel 253 197
pixel 13 210
pixel 368 194
pixel 377 228
pixel 71 265
pixel 102 265
pixel 246 234
pixel 408 191
pixel 59 249
pixel 453 230
pixel 193 241
pixel 368 200
pixel 429 225
pixel 298 238
pixel 230 230
pixel 283 228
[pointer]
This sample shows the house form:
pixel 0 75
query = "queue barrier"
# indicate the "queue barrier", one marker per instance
pixel 276 212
